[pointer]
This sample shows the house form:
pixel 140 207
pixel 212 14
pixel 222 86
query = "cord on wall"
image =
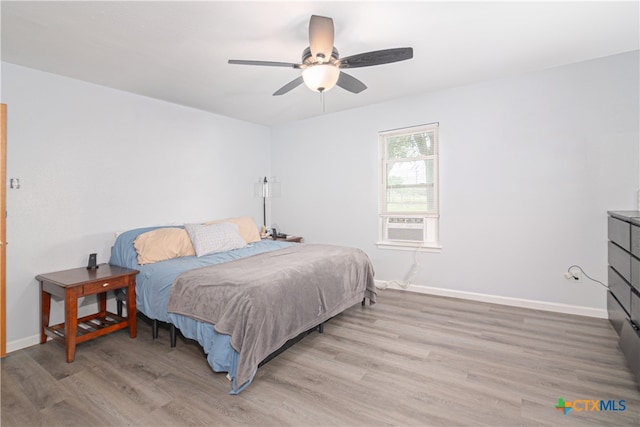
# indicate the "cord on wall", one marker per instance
pixel 407 279
pixel 571 275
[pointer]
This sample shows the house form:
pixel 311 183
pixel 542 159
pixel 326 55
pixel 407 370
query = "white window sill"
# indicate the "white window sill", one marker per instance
pixel 406 246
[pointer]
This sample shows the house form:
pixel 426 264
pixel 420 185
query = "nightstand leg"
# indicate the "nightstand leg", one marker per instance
pixel 102 304
pixel 131 308
pixel 45 309
pixel 70 323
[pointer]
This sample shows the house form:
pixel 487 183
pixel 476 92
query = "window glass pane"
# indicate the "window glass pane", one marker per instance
pixel 410 186
pixel 429 166
pixel 409 172
pixel 412 145
pixel 409 199
pixel 431 201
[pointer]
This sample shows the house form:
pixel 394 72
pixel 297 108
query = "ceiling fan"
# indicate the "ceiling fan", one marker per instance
pixel 321 65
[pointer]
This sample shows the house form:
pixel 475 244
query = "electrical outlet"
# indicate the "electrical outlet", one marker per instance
pixel 573 274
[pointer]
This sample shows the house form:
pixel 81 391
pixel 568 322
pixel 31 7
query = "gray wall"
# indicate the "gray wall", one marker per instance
pixel 93 161
pixel 529 166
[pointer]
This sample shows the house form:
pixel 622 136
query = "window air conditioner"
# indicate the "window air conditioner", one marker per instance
pixel 405 229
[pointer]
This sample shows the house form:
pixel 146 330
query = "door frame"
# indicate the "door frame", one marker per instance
pixel 3 230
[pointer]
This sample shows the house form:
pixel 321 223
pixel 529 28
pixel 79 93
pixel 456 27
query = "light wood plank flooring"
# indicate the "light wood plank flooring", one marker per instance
pixel 411 359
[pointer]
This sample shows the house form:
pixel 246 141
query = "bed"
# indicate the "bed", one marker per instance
pixel 243 304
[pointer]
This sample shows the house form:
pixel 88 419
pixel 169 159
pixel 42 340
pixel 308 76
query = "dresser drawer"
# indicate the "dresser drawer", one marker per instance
pixel 635 273
pixel 620 261
pixel 620 289
pixel 103 286
pixel 630 346
pixel 635 240
pixel 620 233
pixel 635 308
pixel 617 315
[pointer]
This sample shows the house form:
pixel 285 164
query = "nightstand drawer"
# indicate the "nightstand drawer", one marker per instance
pixel 104 286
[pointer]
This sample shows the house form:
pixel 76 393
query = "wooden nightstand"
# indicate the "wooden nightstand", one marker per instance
pixel 79 282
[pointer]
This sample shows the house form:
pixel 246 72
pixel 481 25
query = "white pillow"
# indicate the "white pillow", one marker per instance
pixel 247 228
pixel 208 239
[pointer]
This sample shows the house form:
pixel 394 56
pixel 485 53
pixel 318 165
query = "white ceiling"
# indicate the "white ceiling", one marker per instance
pixel 178 51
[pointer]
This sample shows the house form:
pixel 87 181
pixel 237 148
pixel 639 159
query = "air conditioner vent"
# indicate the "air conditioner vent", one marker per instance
pixel 404 220
pixel 405 229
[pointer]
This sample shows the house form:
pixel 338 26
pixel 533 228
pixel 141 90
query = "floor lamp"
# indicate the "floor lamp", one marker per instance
pixel 264 188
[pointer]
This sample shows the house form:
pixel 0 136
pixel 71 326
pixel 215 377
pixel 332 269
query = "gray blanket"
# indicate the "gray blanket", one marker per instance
pixel 264 300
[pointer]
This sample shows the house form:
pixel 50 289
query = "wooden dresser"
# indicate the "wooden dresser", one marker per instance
pixel 623 298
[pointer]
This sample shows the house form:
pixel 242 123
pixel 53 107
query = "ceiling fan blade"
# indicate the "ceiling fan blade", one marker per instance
pixel 376 57
pixel 321 37
pixel 350 83
pixel 265 63
pixel 289 86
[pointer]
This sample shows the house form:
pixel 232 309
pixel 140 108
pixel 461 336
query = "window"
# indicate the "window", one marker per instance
pixel 409 210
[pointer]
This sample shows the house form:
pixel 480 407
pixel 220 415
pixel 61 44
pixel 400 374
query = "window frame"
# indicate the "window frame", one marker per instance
pixel 431 238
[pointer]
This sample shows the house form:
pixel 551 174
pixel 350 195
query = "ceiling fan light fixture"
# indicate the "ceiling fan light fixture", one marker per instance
pixel 321 64
pixel 321 77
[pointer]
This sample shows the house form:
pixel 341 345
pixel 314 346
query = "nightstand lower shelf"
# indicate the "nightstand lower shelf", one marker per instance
pixel 89 327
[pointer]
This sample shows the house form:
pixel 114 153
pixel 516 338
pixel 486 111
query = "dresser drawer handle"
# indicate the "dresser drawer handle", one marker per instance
pixel 105 285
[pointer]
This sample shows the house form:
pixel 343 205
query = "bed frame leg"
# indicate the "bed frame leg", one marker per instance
pixel 154 329
pixel 364 301
pixel 321 328
pixel 172 334
pixel 119 307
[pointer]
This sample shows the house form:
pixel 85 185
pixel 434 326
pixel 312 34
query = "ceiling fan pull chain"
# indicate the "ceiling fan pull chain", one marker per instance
pixel 322 97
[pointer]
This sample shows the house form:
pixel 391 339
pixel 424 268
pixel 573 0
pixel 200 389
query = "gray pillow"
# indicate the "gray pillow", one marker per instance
pixel 212 238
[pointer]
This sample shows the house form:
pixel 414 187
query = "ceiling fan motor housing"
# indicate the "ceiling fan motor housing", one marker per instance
pixel 307 57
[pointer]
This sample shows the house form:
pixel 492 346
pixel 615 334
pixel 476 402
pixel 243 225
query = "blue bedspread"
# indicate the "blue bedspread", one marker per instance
pixel 153 285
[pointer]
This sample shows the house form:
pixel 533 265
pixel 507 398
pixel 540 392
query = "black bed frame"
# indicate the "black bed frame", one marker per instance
pixel 173 331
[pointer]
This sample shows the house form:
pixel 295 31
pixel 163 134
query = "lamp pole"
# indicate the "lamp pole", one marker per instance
pixel 265 193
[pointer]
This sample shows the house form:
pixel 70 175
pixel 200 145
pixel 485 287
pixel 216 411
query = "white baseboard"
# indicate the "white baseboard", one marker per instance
pixel 35 339
pixel 23 343
pixel 496 299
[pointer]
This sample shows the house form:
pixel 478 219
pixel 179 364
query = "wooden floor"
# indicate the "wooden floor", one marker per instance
pixel 411 359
